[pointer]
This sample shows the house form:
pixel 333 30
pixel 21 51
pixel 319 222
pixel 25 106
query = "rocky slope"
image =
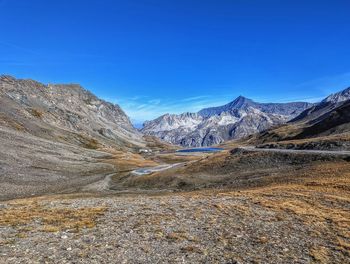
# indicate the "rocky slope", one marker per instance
pixel 324 125
pixel 286 109
pixel 63 113
pixel 303 223
pixel 56 138
pixel 215 125
pixel 338 97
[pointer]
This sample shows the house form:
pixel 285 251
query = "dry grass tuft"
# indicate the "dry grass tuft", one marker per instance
pixel 90 143
pixel 319 254
pixel 191 249
pixel 36 113
pixel 24 213
pixel 10 122
pixel 126 161
pixel 177 236
pixel 320 202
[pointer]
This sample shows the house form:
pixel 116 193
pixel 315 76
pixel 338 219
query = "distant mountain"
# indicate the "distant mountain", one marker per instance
pixel 338 97
pixel 286 109
pixel 330 117
pixel 328 104
pixel 334 121
pixel 215 125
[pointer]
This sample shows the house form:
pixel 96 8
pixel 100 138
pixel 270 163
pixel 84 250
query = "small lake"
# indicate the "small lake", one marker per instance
pixel 200 150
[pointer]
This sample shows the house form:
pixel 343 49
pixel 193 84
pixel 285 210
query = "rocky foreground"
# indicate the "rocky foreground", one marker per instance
pixel 306 223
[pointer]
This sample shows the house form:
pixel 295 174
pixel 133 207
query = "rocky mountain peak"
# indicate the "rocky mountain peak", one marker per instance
pixel 7 78
pixel 240 102
pixel 237 119
pixel 65 107
pixel 341 96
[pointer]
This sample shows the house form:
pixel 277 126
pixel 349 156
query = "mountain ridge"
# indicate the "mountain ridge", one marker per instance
pixel 338 97
pixel 57 108
pixel 217 124
pixel 323 126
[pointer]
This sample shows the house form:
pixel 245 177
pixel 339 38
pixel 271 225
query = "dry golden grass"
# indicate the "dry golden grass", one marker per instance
pixel 321 202
pixel 126 161
pixel 172 158
pixel 36 113
pixel 318 195
pixel 282 132
pixel 24 212
pixel 88 142
pixel 339 137
pixel 177 236
pixel 8 122
pixel 325 141
pixel 191 249
pixel 320 254
pixel 231 144
pixel 91 144
pixel 183 177
pixel 156 144
pixel 195 164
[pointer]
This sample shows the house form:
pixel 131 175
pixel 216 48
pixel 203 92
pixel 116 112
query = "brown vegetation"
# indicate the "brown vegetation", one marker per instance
pixel 333 142
pixel 157 145
pixel 8 122
pixel 125 161
pixel 242 170
pixel 22 213
pixel 88 142
pixel 36 113
pixel 320 202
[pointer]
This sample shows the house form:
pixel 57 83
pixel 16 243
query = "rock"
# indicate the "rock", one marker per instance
pixel 211 126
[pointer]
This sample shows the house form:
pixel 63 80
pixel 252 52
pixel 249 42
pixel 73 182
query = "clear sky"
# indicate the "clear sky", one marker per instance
pixel 158 56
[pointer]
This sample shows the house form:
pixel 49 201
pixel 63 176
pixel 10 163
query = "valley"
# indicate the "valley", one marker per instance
pixel 79 184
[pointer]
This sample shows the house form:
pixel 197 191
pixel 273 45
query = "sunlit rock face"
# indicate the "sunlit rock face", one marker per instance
pixel 51 111
pixel 215 125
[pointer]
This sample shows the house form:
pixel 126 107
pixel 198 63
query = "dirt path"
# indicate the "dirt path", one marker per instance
pixel 303 151
pixel 101 185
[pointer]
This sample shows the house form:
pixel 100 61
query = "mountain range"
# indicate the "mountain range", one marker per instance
pixel 67 113
pixel 59 137
pixel 215 125
pixel 325 125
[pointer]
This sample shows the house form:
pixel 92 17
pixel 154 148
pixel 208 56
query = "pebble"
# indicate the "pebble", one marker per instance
pixel 148 231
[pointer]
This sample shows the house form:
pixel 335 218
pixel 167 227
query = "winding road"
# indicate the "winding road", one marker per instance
pixel 149 170
pixel 304 151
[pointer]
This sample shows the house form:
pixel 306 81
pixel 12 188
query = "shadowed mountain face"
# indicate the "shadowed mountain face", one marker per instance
pixel 326 105
pixel 332 122
pixel 215 125
pixel 329 118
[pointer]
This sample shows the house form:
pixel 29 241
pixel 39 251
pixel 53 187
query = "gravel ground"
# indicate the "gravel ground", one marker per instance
pixel 31 166
pixel 177 228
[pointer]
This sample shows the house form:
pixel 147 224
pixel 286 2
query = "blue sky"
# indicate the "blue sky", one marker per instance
pixel 156 56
